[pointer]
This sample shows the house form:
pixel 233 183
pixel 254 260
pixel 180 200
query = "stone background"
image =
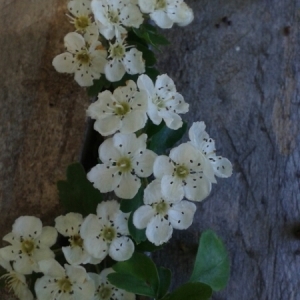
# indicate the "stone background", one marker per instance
pixel 240 76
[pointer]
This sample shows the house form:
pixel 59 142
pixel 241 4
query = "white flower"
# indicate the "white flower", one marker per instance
pixel 30 243
pixel 186 173
pixel 105 290
pixel 81 10
pixel 200 139
pixel 85 63
pixel 15 281
pixel 167 12
pixel 124 110
pixel 71 283
pixel 121 61
pixel 113 15
pixel 69 226
pixel 125 159
pixel 160 215
pixel 107 232
pixel 164 103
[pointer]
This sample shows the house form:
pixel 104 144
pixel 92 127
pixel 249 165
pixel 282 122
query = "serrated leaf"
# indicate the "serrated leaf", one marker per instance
pixel 164 281
pixel 192 291
pixel 212 263
pixel 166 138
pixel 77 193
pixel 140 268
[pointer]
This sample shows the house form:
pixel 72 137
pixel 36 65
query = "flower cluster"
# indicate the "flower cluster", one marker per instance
pixel 95 20
pixel 164 184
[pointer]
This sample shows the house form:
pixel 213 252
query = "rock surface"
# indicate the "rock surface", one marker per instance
pixel 237 65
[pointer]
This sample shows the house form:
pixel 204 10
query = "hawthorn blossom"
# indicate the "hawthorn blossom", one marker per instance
pixel 69 226
pixel 120 61
pixel 15 281
pixel 82 20
pixel 86 62
pixel 106 232
pixel 124 110
pixel 124 159
pixel 185 172
pixel 164 103
pixel 69 283
pixel 167 12
pixel 105 290
pixel 200 139
pixel 30 243
pixel 113 15
pixel 160 215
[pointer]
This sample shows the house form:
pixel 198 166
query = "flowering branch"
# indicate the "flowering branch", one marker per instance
pixel 138 112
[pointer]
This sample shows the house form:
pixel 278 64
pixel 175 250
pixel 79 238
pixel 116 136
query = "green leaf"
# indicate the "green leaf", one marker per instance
pixel 139 268
pixel 150 129
pixel 166 138
pixel 192 291
pixel 77 193
pixel 212 263
pixel 131 284
pixel 98 86
pixel 139 235
pixel 147 247
pixel 152 73
pixel 164 281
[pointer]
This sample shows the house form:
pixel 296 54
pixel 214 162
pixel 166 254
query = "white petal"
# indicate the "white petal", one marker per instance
pixel 147 6
pixel 131 16
pixel 79 7
pixel 9 253
pixel 52 268
pixel 98 248
pixel 197 187
pixel 42 253
pixel 161 19
pixel 121 248
pixel 163 165
pixel 108 210
pixel 129 144
pixel 24 265
pixel 27 227
pixel 10 238
pixel 121 223
pixel 128 186
pixel 159 230
pixel 74 41
pixel 152 193
pixel 98 61
pixel 114 70
pixel 198 135
pixel 188 155
pixel 64 63
pixel 69 224
pixel 75 255
pixel 84 291
pixel 83 76
pixel 109 125
pixel 91 226
pixel 172 188
pixel 133 62
pixel 181 215
pixel 222 166
pixel 104 178
pixel 76 273
pixel 108 152
pixel 184 15
pixel 171 119
pixel 142 216
pixel 153 113
pixel 164 84
pixel 145 83
pixel 48 236
pixel 133 121
pixel 143 165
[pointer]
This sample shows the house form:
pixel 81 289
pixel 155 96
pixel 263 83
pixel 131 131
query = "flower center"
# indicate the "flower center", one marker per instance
pixel 83 57
pixel 182 171
pixel 82 22
pixel 27 246
pixel 109 234
pixel 105 293
pixel 113 17
pixel 122 108
pixel 160 4
pixel 162 208
pixel 159 102
pixel 117 51
pixel 124 164
pixel 65 285
pixel 76 240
